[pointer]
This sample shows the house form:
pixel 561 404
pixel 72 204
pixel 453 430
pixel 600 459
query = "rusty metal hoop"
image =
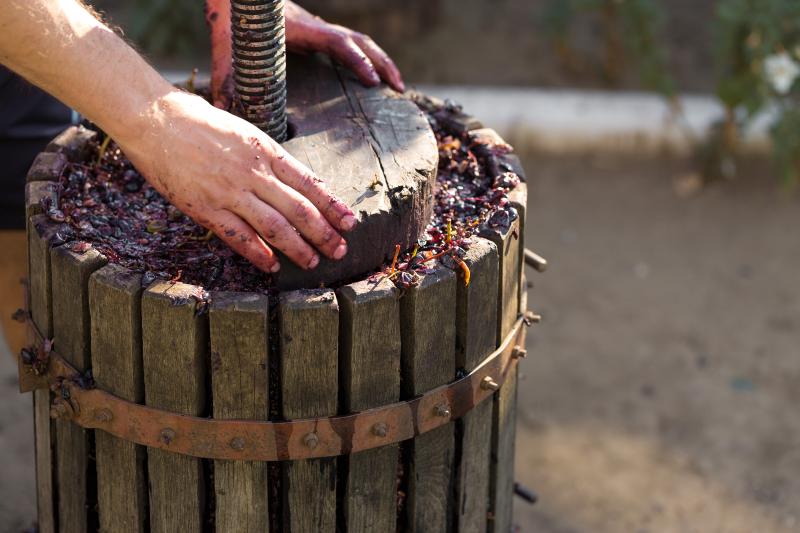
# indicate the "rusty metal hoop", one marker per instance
pixel 256 440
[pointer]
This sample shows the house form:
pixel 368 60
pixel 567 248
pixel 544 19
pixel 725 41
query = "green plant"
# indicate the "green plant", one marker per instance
pixel 758 64
pixel 757 57
pixel 169 27
pixel 630 33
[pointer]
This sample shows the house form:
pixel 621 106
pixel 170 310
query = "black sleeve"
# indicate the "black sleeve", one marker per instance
pixel 29 119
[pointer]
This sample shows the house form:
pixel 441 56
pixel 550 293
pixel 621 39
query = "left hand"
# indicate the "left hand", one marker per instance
pixel 304 33
pixel 358 52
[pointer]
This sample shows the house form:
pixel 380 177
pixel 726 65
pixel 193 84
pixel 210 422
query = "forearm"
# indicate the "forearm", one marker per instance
pixel 61 47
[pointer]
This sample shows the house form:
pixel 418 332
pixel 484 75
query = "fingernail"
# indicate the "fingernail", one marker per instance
pixel 340 251
pixel 313 263
pixel 274 268
pixel 401 86
pixel 348 222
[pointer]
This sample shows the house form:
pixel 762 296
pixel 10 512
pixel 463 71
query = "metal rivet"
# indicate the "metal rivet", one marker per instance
pixel 311 440
pixel 519 352
pixel 442 410
pixel 103 415
pixel 489 384
pixel 380 429
pixel 167 435
pixel 237 443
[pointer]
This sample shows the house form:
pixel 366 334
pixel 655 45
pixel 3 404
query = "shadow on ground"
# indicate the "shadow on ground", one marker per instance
pixel 662 390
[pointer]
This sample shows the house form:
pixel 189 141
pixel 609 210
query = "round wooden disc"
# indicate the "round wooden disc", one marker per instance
pixel 375 150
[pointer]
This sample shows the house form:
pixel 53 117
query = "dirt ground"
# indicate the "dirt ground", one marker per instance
pixel 661 390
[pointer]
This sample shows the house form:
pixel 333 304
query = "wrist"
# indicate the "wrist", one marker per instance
pixel 144 108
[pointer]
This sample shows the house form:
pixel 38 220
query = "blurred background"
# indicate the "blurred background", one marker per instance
pixel 662 145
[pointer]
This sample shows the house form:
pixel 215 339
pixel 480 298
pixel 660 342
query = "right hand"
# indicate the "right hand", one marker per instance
pixel 233 179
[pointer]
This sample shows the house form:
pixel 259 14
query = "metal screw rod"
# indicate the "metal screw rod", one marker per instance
pixel 259 63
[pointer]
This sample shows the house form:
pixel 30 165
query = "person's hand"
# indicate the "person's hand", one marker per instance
pixel 358 52
pixel 304 33
pixel 233 179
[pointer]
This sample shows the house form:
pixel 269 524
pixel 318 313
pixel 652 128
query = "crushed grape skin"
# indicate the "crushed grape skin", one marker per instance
pixel 109 205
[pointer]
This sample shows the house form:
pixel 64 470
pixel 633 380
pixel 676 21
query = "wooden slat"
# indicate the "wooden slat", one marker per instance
pixel 47 166
pixel 509 248
pixel 502 466
pixel 476 312
pixel 239 335
pixel 505 401
pixel 71 331
pixel 115 308
pixel 369 342
pixel 174 350
pixel 428 327
pixel 309 327
pixel 39 278
pixel 519 199
pixel 73 142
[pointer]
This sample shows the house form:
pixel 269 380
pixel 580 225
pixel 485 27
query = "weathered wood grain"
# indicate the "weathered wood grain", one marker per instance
pixel 428 329
pixel 338 137
pixel 71 332
pixel 115 295
pixel 40 282
pixel 174 352
pixel 47 166
pixel 74 142
pixel 504 401
pixel 519 200
pixel 509 248
pixel 239 334
pixel 309 327
pixel 476 337
pixel 370 346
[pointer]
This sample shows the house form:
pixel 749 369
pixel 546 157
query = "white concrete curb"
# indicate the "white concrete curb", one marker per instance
pixel 568 121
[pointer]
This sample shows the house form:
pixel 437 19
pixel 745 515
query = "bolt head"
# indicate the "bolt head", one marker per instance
pixel 442 410
pixel 530 316
pixel 311 440
pixel 380 429
pixel 103 415
pixel 519 352
pixel 237 443
pixel 489 384
pixel 167 435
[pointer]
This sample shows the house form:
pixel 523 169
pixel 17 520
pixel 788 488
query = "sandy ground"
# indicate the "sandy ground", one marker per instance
pixel 662 389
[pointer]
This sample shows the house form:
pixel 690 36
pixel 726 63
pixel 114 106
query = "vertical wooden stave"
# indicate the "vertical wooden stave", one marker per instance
pixel 70 145
pixel 71 331
pixel 309 327
pixel 476 307
pixel 239 336
pixel 40 283
pixel 115 306
pixel 519 200
pixel 369 357
pixel 510 249
pixel 505 400
pixel 428 329
pixel 174 354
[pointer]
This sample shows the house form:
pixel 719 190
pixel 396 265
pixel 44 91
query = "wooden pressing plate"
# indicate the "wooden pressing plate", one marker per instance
pixel 375 150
